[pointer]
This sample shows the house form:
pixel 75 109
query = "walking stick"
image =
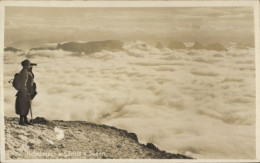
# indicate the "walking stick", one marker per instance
pixel 30 107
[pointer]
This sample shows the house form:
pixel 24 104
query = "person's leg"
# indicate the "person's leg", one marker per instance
pixel 21 121
pixel 26 120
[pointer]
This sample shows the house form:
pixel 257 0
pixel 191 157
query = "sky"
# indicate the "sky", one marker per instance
pixel 27 27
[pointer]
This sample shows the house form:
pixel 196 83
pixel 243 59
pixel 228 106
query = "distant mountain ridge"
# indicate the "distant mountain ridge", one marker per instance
pixel 11 49
pixel 44 48
pixel 216 47
pixel 197 46
pixel 176 45
pixel 159 45
pixel 115 45
pixel 91 47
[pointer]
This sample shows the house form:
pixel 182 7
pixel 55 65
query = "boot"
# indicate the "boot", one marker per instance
pixel 21 122
pixel 26 121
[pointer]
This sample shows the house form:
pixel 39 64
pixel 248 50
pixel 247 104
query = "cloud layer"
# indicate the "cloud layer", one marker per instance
pixel 193 102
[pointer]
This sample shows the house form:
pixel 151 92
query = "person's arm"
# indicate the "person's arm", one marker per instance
pixel 23 79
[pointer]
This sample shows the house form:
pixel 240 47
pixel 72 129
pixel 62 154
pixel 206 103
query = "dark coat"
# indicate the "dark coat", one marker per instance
pixel 23 103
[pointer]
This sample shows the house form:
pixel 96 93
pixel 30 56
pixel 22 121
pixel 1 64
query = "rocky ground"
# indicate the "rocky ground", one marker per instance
pixel 75 139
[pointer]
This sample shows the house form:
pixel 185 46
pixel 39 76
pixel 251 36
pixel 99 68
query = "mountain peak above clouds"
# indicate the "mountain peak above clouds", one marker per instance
pixel 91 47
pixel 197 45
pixel 244 45
pixel 11 49
pixel 76 139
pixel 216 47
pixel 159 45
pixel 43 48
pixel 176 45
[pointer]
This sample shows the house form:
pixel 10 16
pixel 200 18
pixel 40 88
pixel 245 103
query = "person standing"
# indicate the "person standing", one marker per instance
pixel 23 96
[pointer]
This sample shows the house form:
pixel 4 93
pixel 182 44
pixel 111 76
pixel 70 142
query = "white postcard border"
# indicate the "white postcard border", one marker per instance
pixel 254 4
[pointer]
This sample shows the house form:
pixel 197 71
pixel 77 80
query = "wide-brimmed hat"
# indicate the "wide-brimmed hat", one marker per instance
pixel 26 63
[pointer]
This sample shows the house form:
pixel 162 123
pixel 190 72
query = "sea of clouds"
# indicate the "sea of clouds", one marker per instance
pixel 195 102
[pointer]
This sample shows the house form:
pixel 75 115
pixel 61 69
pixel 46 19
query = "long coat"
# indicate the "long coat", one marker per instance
pixel 22 103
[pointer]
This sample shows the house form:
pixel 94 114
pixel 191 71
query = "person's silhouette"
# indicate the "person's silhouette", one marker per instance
pixel 23 99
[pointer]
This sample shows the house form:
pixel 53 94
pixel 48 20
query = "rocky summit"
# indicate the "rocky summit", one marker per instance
pixel 59 139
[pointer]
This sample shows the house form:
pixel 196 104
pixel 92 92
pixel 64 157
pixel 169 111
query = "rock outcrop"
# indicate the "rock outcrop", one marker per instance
pixel 76 140
pixel 91 47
